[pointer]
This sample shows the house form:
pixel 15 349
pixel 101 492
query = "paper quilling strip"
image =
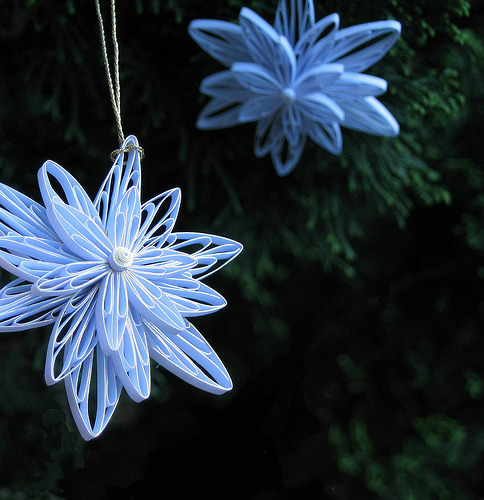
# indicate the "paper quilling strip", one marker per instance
pixel 297 78
pixel 117 283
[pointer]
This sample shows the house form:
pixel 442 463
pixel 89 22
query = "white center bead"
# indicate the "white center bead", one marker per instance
pixel 120 259
pixel 288 94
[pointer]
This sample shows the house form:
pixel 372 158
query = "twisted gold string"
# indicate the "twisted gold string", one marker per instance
pixel 114 90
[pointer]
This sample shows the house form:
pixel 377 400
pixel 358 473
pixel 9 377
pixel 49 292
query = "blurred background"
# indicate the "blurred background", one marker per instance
pixel 354 326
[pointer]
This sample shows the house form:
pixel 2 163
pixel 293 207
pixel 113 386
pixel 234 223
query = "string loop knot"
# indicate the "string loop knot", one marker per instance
pixel 127 149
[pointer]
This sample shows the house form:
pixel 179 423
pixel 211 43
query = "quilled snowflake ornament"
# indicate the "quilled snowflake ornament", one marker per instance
pixel 297 78
pixel 117 283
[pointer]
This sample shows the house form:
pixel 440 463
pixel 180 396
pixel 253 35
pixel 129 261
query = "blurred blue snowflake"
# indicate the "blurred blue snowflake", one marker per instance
pixel 117 283
pixel 299 78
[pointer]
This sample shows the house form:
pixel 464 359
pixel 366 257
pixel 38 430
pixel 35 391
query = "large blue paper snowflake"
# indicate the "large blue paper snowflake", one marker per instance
pixel 299 78
pixel 117 282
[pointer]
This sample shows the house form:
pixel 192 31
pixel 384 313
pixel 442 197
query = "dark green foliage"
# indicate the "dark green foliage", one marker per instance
pixel 354 330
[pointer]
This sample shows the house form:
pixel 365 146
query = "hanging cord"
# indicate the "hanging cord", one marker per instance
pixel 114 90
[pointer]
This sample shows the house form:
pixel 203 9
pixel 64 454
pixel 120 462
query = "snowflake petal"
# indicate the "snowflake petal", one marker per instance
pixel 72 339
pixel 259 107
pixel 219 113
pixel 132 360
pixel 371 116
pixel 222 40
pixel 211 252
pixel 228 94
pixel 292 124
pixel 293 23
pixel 82 234
pixel 285 155
pixel 155 233
pixel 327 135
pixel 31 257
pixel 322 31
pixel 189 356
pixel 320 108
pixel 112 311
pixel 72 191
pixel 224 85
pixel 192 297
pixel 257 79
pixel 317 79
pixel 20 310
pixel 264 138
pixel 351 85
pixel 267 47
pixel 77 223
pixel 100 378
pixel 122 228
pixel 153 304
pixel 155 264
pixel 359 47
pixel 70 278
pixel 124 174
pixel 19 215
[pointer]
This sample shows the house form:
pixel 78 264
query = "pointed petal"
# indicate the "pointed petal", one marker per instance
pixel 317 78
pixel 22 216
pixel 371 116
pixel 70 278
pixel 224 85
pixel 324 29
pixel 294 21
pixel 93 412
pixel 359 47
pixel 112 311
pixel 223 110
pixel 259 107
pixel 72 339
pixel 316 45
pixel 264 136
pixel 122 228
pixel 292 124
pixel 222 40
pixel 320 108
pixel 151 233
pixel 192 297
pixel 267 47
pixel 30 257
pixel 37 248
pixel 132 360
pixel 153 304
pixel 155 264
pixel 327 135
pixel 219 113
pixel 270 137
pixel 189 356
pixel 285 156
pixel 72 191
pixel 20 310
pixel 82 234
pixel 257 79
pixel 351 85
pixel 212 252
pixel 124 174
